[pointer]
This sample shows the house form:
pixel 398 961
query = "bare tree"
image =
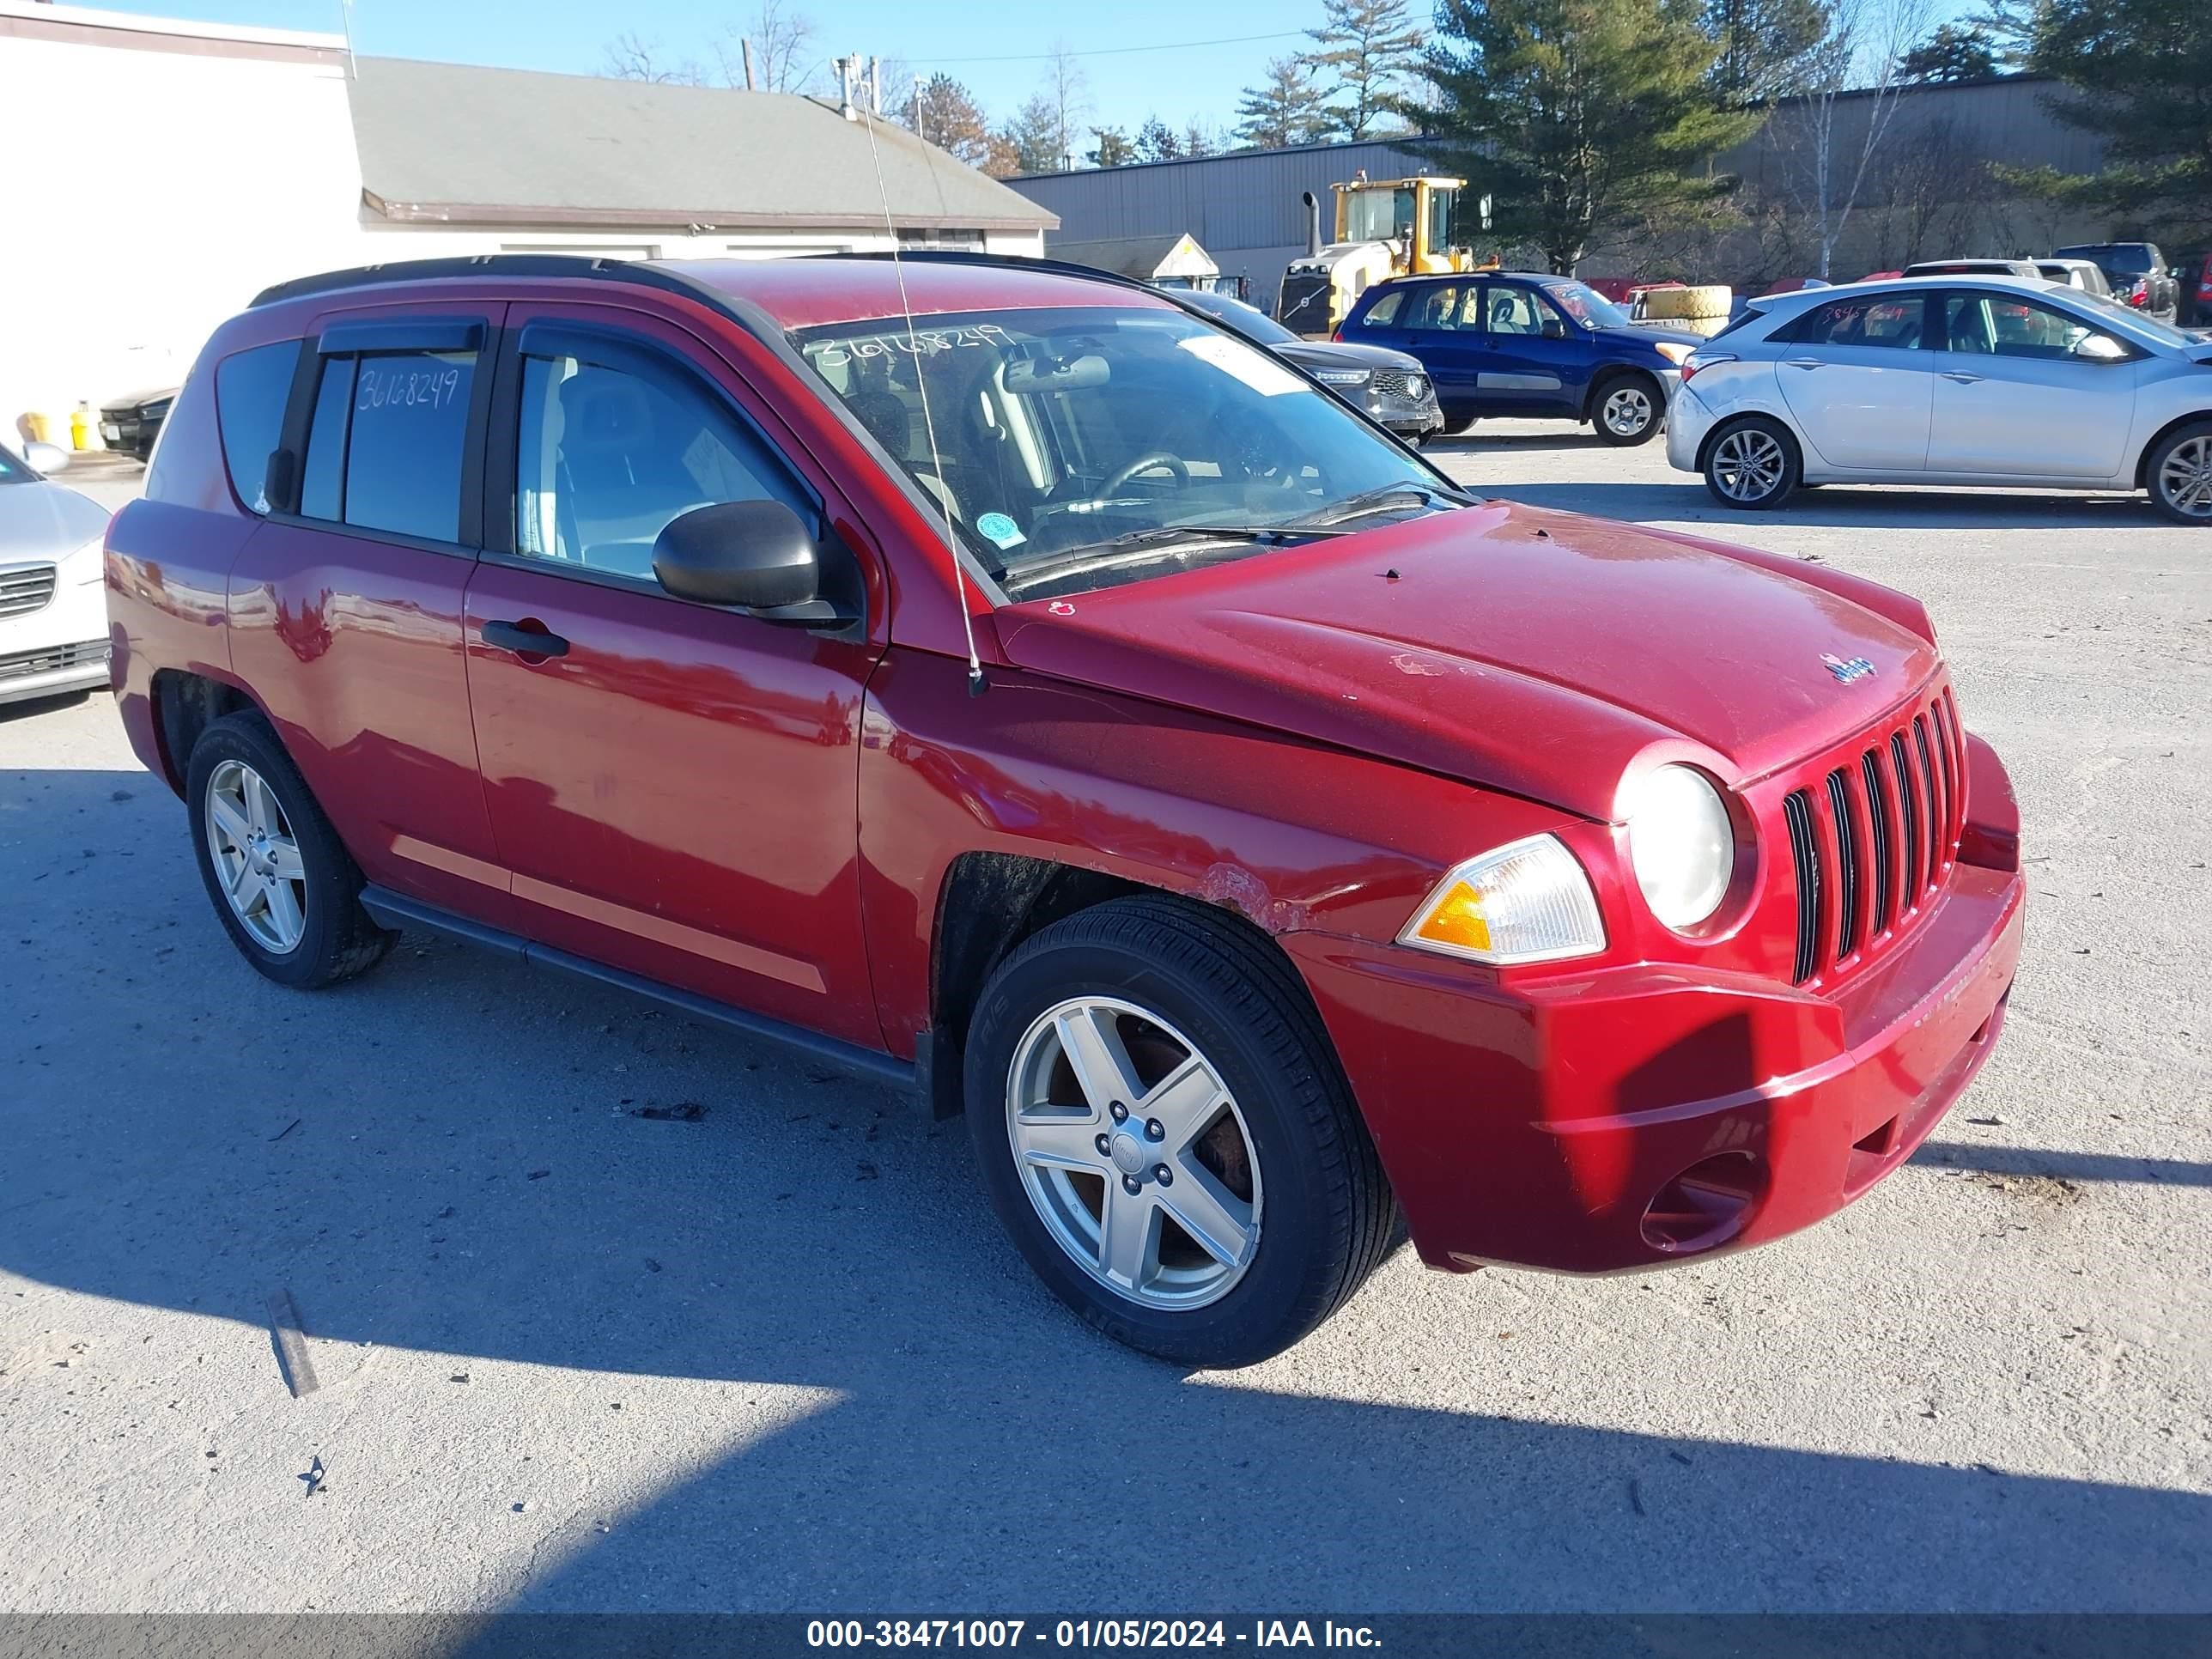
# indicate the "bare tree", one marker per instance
pixel 1928 195
pixel 630 57
pixel 785 57
pixel 1067 88
pixel 1831 140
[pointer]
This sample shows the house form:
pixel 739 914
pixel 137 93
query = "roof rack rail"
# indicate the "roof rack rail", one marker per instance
pixel 956 255
pixel 475 264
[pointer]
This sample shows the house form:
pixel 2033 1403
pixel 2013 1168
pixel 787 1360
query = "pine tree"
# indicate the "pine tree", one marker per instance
pixel 1283 109
pixel 946 112
pixel 1362 53
pixel 1157 141
pixel 1760 44
pixel 1112 148
pixel 1580 117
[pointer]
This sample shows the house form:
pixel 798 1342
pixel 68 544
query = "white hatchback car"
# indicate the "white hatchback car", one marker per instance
pixel 1948 381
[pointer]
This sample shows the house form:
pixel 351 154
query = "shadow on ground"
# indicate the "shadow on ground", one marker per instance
pixel 453 1169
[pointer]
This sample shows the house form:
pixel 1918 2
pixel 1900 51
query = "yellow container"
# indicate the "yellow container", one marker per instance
pixel 80 428
pixel 39 426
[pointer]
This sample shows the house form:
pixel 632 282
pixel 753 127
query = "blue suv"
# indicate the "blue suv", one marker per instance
pixel 1506 342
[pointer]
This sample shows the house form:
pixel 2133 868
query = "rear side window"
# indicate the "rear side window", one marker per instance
pixel 251 389
pixel 388 440
pixel 1893 320
pixel 1384 310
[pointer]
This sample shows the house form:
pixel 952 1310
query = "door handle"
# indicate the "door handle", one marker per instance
pixel 524 641
pixel 1803 362
pixel 1961 377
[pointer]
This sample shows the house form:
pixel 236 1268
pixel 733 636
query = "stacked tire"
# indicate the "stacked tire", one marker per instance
pixel 1704 310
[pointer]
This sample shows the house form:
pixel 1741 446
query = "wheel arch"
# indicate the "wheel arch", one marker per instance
pixel 989 902
pixel 1736 417
pixel 185 703
pixel 2150 443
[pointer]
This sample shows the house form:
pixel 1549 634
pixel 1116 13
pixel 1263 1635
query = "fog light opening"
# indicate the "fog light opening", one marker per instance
pixel 1706 1205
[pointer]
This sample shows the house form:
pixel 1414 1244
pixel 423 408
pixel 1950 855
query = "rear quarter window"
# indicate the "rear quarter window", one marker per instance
pixel 251 389
pixel 1384 310
pixel 386 442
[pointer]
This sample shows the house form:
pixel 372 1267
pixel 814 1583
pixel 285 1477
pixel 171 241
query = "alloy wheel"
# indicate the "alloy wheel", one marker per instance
pixel 1748 464
pixel 1627 411
pixel 1133 1152
pixel 2184 477
pixel 256 857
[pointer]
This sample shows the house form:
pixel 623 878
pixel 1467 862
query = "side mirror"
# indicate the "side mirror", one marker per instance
pixel 757 555
pixel 1554 329
pixel 45 458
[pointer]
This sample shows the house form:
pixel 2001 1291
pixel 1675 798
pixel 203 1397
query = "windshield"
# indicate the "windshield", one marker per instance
pixel 2139 323
pixel 13 470
pixel 1377 215
pixel 1587 306
pixel 1070 429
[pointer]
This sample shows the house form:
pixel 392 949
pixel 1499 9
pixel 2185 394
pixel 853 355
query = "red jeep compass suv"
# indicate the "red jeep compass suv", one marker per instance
pixel 1001 678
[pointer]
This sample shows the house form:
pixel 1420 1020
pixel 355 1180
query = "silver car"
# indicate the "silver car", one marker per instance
pixel 1948 381
pixel 53 603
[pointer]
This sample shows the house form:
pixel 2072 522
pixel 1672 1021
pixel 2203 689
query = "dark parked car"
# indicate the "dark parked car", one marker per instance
pixel 1014 687
pixel 2137 271
pixel 1502 343
pixel 1389 387
pixel 130 424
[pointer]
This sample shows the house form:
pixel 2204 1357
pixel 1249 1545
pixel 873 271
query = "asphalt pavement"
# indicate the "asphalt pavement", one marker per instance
pixel 776 1356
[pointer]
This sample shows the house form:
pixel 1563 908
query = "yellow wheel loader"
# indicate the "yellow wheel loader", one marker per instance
pixel 1384 227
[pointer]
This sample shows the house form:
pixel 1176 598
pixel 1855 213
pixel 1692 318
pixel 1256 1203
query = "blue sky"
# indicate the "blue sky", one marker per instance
pixel 973 42
pixel 997 49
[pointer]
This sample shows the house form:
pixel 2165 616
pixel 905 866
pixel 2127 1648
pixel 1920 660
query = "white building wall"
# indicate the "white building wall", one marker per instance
pixel 152 192
pixel 165 172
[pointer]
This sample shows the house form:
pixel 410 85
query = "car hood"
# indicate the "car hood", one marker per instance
pixel 1645 334
pixel 1533 652
pixel 131 400
pixel 1319 354
pixel 40 520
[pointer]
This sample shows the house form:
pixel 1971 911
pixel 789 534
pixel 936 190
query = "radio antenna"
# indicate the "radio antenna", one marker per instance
pixel 976 683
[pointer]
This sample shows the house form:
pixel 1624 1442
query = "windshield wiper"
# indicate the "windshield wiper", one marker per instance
pixel 1028 574
pixel 1404 493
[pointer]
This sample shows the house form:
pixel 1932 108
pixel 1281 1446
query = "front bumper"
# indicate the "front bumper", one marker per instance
pixel 1409 417
pixel 1633 1116
pixel 59 647
pixel 1688 421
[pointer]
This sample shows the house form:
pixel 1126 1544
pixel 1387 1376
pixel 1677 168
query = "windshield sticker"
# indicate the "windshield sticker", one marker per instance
pixel 1263 374
pixel 923 342
pixel 999 530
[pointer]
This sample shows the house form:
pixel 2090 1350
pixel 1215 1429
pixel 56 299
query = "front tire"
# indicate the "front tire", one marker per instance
pixel 281 883
pixel 2179 474
pixel 1164 1131
pixel 1628 410
pixel 1752 464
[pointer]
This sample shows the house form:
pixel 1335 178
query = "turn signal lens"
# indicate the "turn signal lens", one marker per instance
pixel 1528 900
pixel 1673 350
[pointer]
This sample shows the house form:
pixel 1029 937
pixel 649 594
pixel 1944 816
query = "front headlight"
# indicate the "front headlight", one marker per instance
pixel 1342 376
pixel 1683 845
pixel 1528 900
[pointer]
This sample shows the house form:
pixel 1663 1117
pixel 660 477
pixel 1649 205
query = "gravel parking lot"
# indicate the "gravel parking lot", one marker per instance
pixel 781 1357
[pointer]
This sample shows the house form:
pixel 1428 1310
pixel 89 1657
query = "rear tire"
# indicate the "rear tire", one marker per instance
pixel 1752 464
pixel 281 883
pixel 2178 473
pixel 1264 1145
pixel 1628 410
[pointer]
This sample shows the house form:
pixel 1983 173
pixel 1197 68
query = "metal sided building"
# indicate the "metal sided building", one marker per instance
pixel 1245 209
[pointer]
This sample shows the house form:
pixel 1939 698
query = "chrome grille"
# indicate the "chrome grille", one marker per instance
pixel 1398 383
pixel 1875 837
pixel 25 590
